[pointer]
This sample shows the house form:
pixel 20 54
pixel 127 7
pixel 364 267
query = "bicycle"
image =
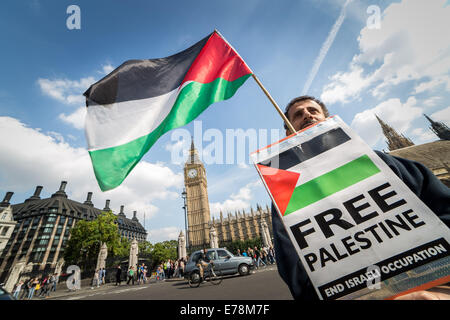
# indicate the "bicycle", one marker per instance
pixel 214 276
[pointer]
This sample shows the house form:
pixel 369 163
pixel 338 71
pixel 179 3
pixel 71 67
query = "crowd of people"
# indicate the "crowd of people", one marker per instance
pixel 42 287
pixel 140 275
pixel 261 255
pixel 36 287
pixel 99 278
pixel 171 269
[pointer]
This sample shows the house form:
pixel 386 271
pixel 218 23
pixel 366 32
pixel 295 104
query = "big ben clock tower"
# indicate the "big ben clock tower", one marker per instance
pixel 198 213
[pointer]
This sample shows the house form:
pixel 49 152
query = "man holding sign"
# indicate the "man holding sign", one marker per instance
pixel 303 112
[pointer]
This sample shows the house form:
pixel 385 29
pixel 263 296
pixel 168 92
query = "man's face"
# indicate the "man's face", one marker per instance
pixel 304 113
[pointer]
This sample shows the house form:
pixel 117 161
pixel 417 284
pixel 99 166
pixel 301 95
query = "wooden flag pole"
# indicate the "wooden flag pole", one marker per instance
pixel 285 119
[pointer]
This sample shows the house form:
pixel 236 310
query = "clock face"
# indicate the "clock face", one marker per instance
pixel 192 173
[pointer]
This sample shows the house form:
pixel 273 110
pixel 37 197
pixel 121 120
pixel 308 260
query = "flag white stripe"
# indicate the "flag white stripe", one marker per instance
pixel 118 123
pixel 112 125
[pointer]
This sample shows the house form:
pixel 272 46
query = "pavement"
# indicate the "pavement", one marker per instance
pixel 86 290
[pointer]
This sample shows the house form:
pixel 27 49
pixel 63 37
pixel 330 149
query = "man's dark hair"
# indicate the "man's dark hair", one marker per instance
pixel 303 98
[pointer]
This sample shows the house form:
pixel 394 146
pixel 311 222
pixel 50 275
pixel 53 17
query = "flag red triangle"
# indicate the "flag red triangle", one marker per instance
pixel 281 184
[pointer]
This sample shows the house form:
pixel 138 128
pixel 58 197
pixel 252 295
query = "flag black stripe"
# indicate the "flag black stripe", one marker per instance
pixel 142 79
pixel 307 150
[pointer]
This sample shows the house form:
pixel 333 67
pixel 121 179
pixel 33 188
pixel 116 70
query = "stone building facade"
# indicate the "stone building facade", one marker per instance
pixel 433 155
pixel 7 222
pixel 242 225
pixel 43 227
pixel 237 226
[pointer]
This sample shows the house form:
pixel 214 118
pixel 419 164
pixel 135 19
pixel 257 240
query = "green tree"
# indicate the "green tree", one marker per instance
pixel 163 251
pixel 86 239
pixel 145 248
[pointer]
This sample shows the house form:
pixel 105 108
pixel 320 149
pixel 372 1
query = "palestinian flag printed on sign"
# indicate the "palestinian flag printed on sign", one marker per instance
pixel 293 191
pixel 130 108
pixel 345 212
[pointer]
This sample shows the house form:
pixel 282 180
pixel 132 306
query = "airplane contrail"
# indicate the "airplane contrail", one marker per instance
pixel 325 47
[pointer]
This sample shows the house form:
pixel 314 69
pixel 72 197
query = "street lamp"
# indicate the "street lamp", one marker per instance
pixel 184 195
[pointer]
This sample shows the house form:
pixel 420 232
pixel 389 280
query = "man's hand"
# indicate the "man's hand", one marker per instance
pixel 438 293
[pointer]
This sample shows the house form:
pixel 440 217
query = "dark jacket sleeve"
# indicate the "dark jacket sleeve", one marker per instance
pixel 288 263
pixel 415 175
pixel 423 183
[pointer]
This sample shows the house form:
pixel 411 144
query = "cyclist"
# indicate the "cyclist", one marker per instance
pixel 202 262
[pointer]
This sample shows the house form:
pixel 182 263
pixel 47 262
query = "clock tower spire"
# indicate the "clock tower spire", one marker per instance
pixel 198 213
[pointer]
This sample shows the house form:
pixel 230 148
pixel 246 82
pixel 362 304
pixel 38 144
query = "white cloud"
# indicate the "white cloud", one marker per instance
pixel 325 47
pixel 76 119
pixel 106 69
pixel 396 114
pixel 237 201
pixel 30 158
pixel 442 116
pixel 433 84
pixel 67 91
pixel 431 102
pixel 423 136
pixel 408 46
pixel 163 234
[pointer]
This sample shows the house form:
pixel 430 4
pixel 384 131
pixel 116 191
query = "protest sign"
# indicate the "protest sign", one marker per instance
pixel 359 231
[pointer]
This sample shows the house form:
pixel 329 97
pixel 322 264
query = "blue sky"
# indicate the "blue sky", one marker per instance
pixel 398 70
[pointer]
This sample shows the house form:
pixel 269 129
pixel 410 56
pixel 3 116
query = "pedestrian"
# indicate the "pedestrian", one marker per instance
pixel 26 289
pixel 270 255
pixel 103 276
pixel 252 255
pixel 95 280
pixel 100 276
pixel 167 269
pixel 163 273
pixel 145 274
pixel 34 285
pixel 130 276
pixel 181 267
pixel 53 282
pixel 238 253
pixel 158 273
pixel 118 275
pixel 177 270
pixel 42 286
pixel 17 289
pixel 258 257
pixel 138 272
pixel 47 287
pixel 264 255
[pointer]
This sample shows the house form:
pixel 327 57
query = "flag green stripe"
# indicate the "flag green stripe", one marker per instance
pixel 331 182
pixel 112 165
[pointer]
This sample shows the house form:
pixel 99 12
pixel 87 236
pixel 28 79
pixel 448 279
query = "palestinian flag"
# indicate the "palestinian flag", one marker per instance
pixel 130 108
pixel 293 191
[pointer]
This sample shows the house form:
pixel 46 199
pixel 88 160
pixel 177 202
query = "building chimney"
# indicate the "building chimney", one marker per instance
pixel 36 195
pixel 88 201
pixel 61 192
pixel 106 208
pixel 121 211
pixel 134 216
pixel 37 192
pixel 62 186
pixel 5 202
